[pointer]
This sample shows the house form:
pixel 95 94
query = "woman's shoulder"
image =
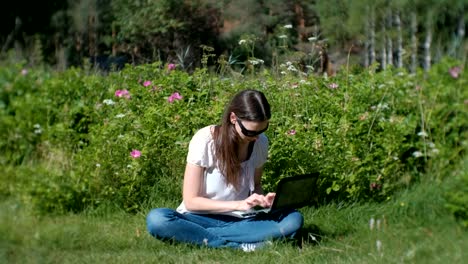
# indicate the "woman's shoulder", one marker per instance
pixel 204 134
pixel 262 139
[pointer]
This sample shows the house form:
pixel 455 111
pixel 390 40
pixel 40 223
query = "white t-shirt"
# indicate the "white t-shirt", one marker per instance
pixel 201 153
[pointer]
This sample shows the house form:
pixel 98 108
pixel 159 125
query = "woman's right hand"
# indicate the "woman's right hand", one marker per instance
pixel 252 201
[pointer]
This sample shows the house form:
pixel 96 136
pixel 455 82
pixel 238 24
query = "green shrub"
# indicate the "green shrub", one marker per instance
pixel 369 134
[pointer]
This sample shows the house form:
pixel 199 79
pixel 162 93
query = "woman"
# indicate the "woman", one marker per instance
pixel 223 174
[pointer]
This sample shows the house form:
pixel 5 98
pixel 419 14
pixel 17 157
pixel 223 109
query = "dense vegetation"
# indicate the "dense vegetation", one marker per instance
pixel 67 137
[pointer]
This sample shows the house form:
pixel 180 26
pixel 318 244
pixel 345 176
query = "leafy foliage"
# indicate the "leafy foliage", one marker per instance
pixel 91 139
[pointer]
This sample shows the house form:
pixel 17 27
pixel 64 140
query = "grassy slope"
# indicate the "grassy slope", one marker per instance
pixel 414 228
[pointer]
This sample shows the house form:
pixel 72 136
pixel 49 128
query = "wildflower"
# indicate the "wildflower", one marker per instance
pixel 292 68
pixel 120 116
pixel 122 93
pixel 135 153
pixel 417 154
pixel 282 36
pixel 455 72
pixel 171 66
pixel 98 165
pixel 37 129
pixel 174 96
pixel 147 83
pixel 24 72
pixel 256 61
pixel 374 186
pixel 333 85
pixel 291 132
pixel 422 134
pixel 312 39
pixel 435 151
pixel 288 26
pixel 242 41
pixel 364 116
pixel 108 102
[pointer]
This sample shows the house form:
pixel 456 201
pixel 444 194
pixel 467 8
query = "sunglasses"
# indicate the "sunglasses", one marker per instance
pixel 250 133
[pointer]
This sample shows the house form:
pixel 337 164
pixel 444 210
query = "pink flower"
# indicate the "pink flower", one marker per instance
pixel 455 72
pixel 24 72
pixel 122 93
pixel 135 153
pixel 147 83
pixel 292 132
pixel 171 66
pixel 174 96
pixel 333 85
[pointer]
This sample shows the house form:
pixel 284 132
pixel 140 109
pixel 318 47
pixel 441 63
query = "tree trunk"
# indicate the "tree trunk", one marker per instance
pixel 414 43
pixel 367 41
pixel 383 62
pixel 372 37
pixel 427 47
pixel 389 39
pixel 399 41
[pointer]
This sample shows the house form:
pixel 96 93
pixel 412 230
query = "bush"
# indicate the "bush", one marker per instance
pixel 369 134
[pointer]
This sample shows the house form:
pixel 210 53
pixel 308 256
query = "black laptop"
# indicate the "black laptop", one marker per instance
pixel 291 192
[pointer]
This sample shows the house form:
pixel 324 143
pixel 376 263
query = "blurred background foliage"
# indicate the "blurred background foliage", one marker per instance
pixel 404 33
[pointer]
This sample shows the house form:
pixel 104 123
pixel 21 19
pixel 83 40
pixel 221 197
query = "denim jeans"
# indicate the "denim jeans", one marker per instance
pixel 216 230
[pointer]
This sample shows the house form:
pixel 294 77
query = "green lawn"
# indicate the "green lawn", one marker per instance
pixel 412 228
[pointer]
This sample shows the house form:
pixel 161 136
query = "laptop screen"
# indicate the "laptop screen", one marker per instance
pixel 296 191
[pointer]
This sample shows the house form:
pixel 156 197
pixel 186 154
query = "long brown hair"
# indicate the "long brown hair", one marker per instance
pixel 249 105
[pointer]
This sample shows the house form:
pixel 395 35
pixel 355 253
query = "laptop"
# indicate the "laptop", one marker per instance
pixel 291 192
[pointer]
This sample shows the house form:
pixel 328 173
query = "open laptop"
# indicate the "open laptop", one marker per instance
pixel 291 192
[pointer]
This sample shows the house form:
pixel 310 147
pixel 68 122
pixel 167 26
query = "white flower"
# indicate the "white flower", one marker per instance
pixel 98 165
pixel 288 26
pixel 282 36
pixel 431 145
pixel 108 102
pixel 422 134
pixel 417 154
pixel 129 166
pixel 37 126
pixel 312 39
pixel 434 151
pixel 38 131
pixel 242 41
pixel 292 68
pixel 283 72
pixel 120 116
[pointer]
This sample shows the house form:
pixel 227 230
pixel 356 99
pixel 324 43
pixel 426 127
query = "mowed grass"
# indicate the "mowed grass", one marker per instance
pixel 413 227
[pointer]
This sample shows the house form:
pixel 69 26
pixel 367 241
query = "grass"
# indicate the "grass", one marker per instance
pixel 411 228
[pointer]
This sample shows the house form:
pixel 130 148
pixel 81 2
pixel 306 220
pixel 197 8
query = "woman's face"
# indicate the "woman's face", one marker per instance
pixel 248 130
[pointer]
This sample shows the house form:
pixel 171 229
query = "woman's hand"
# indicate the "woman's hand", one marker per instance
pixel 256 200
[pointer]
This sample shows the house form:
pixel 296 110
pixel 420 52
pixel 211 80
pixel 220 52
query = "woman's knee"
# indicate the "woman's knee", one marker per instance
pixel 293 222
pixel 157 219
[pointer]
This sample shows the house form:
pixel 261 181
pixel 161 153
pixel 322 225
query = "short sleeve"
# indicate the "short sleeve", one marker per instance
pixel 260 151
pixel 200 148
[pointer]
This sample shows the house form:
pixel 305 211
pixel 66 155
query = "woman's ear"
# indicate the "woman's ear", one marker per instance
pixel 233 118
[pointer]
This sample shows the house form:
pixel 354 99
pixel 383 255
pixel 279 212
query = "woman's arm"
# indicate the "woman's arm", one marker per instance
pixel 193 180
pixel 194 202
pixel 258 180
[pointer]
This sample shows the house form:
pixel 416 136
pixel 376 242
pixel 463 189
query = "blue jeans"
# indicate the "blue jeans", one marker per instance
pixel 215 230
